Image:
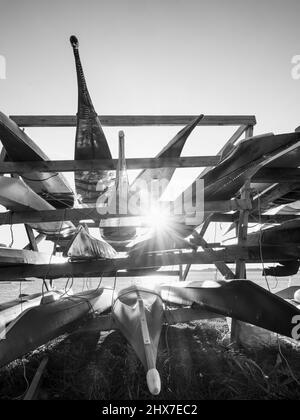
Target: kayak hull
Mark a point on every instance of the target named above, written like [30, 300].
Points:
[40, 324]
[239, 299]
[54, 188]
[139, 313]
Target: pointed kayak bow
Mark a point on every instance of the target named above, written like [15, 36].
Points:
[36, 326]
[90, 141]
[239, 299]
[172, 149]
[138, 313]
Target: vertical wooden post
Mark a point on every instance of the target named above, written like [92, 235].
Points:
[240, 272]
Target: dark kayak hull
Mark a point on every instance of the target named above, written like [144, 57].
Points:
[40, 324]
[90, 140]
[239, 299]
[244, 161]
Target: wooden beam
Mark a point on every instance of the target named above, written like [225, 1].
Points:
[38, 239]
[32, 242]
[133, 120]
[106, 164]
[108, 268]
[32, 392]
[255, 218]
[77, 214]
[10, 256]
[240, 271]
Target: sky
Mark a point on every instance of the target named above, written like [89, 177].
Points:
[151, 57]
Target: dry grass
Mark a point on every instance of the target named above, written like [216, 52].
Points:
[195, 362]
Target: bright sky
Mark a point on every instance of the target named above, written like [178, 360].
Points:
[152, 57]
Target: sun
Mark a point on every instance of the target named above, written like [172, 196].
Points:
[156, 218]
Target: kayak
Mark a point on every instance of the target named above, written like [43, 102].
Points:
[38, 325]
[15, 195]
[19, 147]
[90, 141]
[239, 299]
[10, 310]
[287, 233]
[249, 156]
[289, 160]
[171, 150]
[138, 313]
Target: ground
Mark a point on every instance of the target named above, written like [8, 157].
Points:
[195, 360]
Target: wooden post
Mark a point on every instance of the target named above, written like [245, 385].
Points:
[240, 271]
[31, 237]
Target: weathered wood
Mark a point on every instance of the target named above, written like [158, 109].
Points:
[132, 120]
[32, 392]
[175, 316]
[240, 271]
[255, 218]
[108, 268]
[87, 213]
[31, 237]
[39, 238]
[220, 265]
[10, 256]
[106, 164]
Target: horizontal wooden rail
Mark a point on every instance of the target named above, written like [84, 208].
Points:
[107, 164]
[77, 214]
[133, 120]
[108, 268]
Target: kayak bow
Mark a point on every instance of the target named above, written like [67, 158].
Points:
[138, 313]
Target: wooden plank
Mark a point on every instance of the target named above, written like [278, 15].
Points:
[175, 316]
[108, 268]
[32, 392]
[240, 271]
[228, 146]
[265, 175]
[10, 256]
[77, 214]
[132, 120]
[38, 239]
[106, 164]
[220, 265]
[254, 218]
[32, 242]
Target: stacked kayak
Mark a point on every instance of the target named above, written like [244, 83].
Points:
[36, 326]
[244, 161]
[10, 310]
[15, 195]
[54, 188]
[239, 299]
[90, 142]
[139, 314]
